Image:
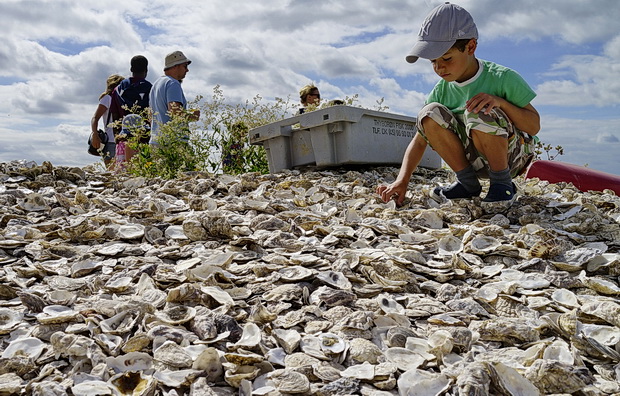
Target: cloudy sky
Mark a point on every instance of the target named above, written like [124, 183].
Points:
[56, 54]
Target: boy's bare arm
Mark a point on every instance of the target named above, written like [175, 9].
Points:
[412, 157]
[524, 118]
[527, 118]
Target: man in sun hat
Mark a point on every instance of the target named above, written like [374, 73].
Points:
[167, 99]
[478, 117]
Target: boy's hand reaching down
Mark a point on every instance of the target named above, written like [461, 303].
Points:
[395, 191]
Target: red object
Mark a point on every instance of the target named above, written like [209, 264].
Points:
[585, 179]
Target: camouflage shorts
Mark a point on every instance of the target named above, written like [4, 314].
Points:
[521, 146]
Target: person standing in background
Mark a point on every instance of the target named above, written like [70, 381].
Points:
[103, 111]
[129, 104]
[167, 99]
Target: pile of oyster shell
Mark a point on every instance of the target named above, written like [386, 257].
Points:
[302, 283]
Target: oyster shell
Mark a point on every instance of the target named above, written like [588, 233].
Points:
[9, 320]
[134, 361]
[28, 347]
[57, 314]
[551, 376]
[289, 381]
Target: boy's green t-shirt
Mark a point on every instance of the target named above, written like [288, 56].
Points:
[492, 79]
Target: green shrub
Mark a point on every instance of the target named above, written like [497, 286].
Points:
[218, 142]
[548, 150]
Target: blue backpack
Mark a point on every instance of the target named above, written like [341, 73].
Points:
[130, 96]
[133, 92]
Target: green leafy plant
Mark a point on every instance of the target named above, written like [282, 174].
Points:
[348, 101]
[547, 149]
[380, 106]
[218, 142]
[224, 128]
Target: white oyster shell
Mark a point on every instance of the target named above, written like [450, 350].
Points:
[565, 297]
[176, 315]
[289, 381]
[416, 382]
[250, 338]
[133, 361]
[34, 202]
[600, 285]
[449, 245]
[405, 359]
[10, 383]
[9, 320]
[276, 356]
[235, 375]
[175, 233]
[420, 346]
[332, 343]
[364, 371]
[121, 323]
[606, 335]
[209, 362]
[119, 284]
[514, 383]
[288, 339]
[92, 387]
[173, 355]
[312, 346]
[131, 231]
[57, 314]
[176, 378]
[559, 350]
[335, 279]
[482, 244]
[28, 347]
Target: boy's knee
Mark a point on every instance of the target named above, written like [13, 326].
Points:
[495, 123]
[435, 112]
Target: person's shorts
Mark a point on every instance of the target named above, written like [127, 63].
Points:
[521, 146]
[133, 124]
[109, 151]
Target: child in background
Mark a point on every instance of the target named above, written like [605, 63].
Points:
[103, 112]
[308, 95]
[132, 125]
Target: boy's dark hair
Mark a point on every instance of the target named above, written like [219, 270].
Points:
[460, 44]
[139, 64]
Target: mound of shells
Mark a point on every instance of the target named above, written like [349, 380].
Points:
[302, 283]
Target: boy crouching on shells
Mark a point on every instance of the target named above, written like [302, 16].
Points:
[478, 117]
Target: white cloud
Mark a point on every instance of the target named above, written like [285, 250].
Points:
[570, 21]
[585, 142]
[593, 81]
